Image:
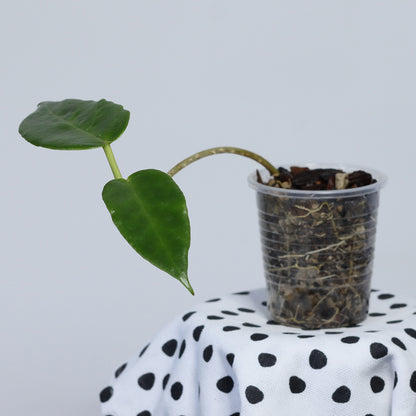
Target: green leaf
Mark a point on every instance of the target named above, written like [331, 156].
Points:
[149, 210]
[74, 124]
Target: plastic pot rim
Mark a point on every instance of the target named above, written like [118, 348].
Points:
[381, 181]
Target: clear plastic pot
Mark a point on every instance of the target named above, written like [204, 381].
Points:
[318, 251]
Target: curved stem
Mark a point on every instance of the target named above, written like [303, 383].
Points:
[218, 150]
[112, 161]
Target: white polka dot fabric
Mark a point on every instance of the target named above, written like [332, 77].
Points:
[226, 358]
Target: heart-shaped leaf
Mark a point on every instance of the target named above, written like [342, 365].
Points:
[149, 210]
[74, 124]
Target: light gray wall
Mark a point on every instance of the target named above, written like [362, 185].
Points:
[299, 81]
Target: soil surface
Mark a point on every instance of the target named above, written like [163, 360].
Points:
[307, 179]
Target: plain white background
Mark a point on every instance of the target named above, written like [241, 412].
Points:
[330, 81]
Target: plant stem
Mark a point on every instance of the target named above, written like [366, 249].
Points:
[218, 150]
[112, 161]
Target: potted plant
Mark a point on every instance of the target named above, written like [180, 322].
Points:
[318, 243]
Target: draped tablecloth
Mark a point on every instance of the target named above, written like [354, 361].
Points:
[225, 357]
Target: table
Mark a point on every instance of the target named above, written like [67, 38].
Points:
[226, 358]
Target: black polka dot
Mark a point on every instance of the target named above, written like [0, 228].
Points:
[395, 380]
[120, 370]
[144, 350]
[413, 381]
[377, 384]
[230, 328]
[146, 381]
[306, 336]
[106, 394]
[369, 414]
[333, 332]
[385, 296]
[207, 354]
[169, 347]
[254, 395]
[250, 325]
[411, 332]
[258, 337]
[242, 293]
[350, 340]
[182, 349]
[187, 316]
[144, 413]
[317, 359]
[375, 314]
[371, 331]
[399, 343]
[378, 350]
[246, 310]
[165, 381]
[214, 300]
[229, 313]
[271, 322]
[266, 359]
[225, 384]
[264, 303]
[197, 332]
[296, 385]
[398, 305]
[214, 317]
[176, 390]
[230, 359]
[396, 321]
[341, 394]
[236, 414]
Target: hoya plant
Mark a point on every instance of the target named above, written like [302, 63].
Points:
[148, 207]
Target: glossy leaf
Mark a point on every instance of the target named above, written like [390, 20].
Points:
[150, 212]
[74, 124]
